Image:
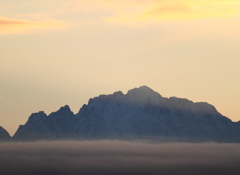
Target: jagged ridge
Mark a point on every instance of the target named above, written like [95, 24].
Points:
[141, 113]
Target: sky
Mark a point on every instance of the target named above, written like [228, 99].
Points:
[59, 52]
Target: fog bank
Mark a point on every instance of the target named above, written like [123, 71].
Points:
[118, 157]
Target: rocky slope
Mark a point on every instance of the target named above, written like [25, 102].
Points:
[4, 135]
[40, 126]
[140, 114]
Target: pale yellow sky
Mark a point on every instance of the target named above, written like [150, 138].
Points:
[67, 51]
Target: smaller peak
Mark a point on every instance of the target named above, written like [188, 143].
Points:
[66, 107]
[36, 117]
[118, 93]
[64, 110]
[40, 113]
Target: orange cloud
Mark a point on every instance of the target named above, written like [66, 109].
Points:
[167, 10]
[19, 26]
[4, 22]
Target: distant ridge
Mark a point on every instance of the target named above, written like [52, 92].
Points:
[140, 114]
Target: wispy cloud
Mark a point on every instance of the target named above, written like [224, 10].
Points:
[187, 10]
[176, 10]
[21, 26]
[162, 10]
[129, 12]
[30, 17]
[4, 22]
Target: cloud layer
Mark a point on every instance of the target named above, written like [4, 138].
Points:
[117, 157]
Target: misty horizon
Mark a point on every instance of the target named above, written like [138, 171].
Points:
[118, 157]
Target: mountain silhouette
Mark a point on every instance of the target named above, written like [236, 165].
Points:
[140, 114]
[4, 135]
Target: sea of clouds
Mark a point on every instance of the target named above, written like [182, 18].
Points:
[118, 158]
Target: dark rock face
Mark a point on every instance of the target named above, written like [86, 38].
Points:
[140, 114]
[42, 127]
[4, 135]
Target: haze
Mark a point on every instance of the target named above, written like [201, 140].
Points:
[66, 51]
[118, 157]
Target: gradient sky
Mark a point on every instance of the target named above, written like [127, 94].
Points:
[61, 52]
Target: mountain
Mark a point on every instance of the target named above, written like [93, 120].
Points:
[4, 135]
[140, 114]
[40, 126]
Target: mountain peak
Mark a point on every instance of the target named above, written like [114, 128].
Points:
[37, 117]
[38, 114]
[64, 110]
[143, 89]
[141, 113]
[118, 94]
[143, 93]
